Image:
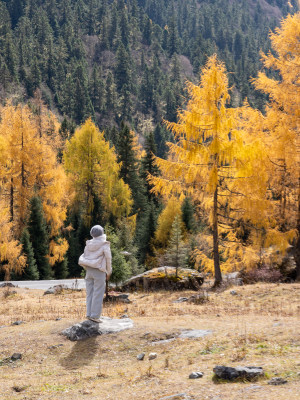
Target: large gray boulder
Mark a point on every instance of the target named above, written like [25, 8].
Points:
[87, 329]
[243, 373]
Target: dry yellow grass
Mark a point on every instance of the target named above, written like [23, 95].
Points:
[259, 326]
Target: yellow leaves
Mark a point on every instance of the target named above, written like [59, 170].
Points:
[93, 171]
[166, 219]
[57, 250]
[11, 257]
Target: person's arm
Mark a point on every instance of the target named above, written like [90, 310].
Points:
[107, 254]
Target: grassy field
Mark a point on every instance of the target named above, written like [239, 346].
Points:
[257, 327]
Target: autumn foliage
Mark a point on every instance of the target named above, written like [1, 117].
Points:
[234, 172]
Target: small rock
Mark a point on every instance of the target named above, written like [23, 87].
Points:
[141, 356]
[16, 356]
[233, 292]
[181, 300]
[19, 389]
[7, 284]
[55, 346]
[277, 324]
[152, 356]
[56, 289]
[194, 333]
[178, 396]
[277, 381]
[18, 323]
[196, 375]
[231, 374]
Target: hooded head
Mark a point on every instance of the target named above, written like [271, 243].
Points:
[96, 231]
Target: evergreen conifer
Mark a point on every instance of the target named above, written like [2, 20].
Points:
[39, 238]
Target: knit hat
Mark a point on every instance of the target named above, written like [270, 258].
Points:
[96, 231]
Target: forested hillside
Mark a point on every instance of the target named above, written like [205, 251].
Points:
[86, 90]
[128, 60]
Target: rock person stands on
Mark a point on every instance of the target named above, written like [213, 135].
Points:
[96, 260]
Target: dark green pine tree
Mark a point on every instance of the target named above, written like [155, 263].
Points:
[111, 94]
[146, 90]
[147, 31]
[188, 214]
[97, 89]
[39, 237]
[145, 232]
[129, 171]
[148, 167]
[61, 270]
[173, 40]
[122, 69]
[30, 272]
[82, 104]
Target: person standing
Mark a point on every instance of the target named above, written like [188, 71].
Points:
[96, 260]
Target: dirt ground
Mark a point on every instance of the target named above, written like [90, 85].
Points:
[257, 326]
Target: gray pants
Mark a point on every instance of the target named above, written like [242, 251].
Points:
[95, 281]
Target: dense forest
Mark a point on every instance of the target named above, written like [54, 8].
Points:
[85, 88]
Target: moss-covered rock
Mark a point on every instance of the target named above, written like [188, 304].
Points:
[164, 278]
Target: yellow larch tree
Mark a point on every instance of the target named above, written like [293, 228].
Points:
[23, 153]
[30, 168]
[92, 168]
[11, 258]
[209, 157]
[280, 127]
[166, 219]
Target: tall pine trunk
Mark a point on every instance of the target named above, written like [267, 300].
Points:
[218, 274]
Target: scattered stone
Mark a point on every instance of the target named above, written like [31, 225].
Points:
[55, 346]
[194, 333]
[253, 387]
[141, 357]
[199, 298]
[117, 297]
[16, 356]
[19, 389]
[7, 284]
[86, 329]
[179, 396]
[152, 356]
[233, 292]
[234, 278]
[277, 381]
[231, 374]
[181, 300]
[277, 324]
[58, 319]
[196, 375]
[57, 289]
[18, 323]
[163, 341]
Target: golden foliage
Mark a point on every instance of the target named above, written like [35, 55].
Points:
[11, 258]
[166, 219]
[92, 168]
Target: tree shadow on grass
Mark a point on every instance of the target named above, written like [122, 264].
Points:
[82, 353]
